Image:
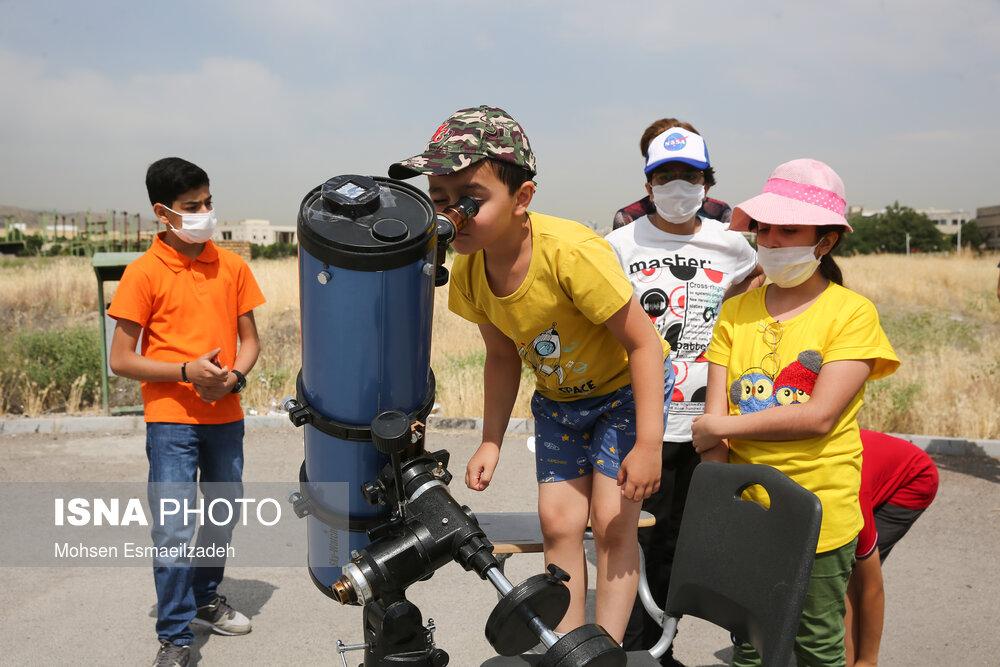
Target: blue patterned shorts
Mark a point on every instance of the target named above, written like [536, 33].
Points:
[572, 438]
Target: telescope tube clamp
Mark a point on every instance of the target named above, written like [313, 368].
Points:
[301, 413]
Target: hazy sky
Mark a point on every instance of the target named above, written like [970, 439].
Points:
[273, 97]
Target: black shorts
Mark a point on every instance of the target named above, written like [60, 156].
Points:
[892, 522]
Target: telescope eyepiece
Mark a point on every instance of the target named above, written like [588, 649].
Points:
[460, 212]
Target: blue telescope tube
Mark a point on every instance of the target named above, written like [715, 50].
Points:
[366, 284]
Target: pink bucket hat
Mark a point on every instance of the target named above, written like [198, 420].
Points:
[800, 192]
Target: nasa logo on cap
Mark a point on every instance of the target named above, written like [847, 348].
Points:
[677, 145]
[675, 142]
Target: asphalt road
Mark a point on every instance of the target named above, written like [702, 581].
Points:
[942, 586]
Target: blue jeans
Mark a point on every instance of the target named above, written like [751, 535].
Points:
[176, 453]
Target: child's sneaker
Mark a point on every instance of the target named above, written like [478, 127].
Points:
[222, 618]
[172, 655]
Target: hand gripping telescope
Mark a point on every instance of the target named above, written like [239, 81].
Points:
[371, 251]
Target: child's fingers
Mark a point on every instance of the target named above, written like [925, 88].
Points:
[476, 478]
[628, 487]
[485, 477]
[637, 491]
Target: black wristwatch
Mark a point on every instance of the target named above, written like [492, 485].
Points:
[241, 381]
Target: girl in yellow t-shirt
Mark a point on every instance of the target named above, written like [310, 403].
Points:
[788, 365]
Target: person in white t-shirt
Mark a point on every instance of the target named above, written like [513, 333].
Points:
[682, 266]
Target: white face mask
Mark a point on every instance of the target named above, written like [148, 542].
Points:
[195, 227]
[678, 201]
[788, 267]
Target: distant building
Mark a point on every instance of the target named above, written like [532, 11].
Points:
[258, 232]
[947, 222]
[63, 229]
[863, 212]
[988, 221]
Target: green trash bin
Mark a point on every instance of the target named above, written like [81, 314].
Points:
[109, 267]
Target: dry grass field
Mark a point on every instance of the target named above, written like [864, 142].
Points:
[940, 312]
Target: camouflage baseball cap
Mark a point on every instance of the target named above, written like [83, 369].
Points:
[466, 137]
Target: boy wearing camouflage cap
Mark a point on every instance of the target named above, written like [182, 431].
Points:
[551, 292]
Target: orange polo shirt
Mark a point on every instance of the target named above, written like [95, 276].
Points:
[186, 307]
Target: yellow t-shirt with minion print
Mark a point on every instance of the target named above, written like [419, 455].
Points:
[556, 317]
[771, 364]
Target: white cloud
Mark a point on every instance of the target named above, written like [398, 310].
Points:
[81, 129]
[275, 97]
[220, 96]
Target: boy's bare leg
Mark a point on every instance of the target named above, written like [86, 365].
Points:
[563, 510]
[614, 521]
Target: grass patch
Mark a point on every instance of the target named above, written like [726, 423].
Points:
[892, 404]
[52, 369]
[940, 313]
[918, 332]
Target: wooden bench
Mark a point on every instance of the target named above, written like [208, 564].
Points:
[520, 532]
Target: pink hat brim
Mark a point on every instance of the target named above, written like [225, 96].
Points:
[775, 209]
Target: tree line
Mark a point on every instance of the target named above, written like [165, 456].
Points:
[887, 232]
[882, 232]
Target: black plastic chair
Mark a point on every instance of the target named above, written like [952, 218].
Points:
[741, 566]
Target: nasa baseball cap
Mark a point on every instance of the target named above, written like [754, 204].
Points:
[675, 144]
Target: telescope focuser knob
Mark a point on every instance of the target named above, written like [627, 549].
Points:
[557, 573]
[391, 431]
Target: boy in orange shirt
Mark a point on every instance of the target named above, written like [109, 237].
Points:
[190, 301]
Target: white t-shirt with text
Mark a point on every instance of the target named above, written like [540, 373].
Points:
[680, 280]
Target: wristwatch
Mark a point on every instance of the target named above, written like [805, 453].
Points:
[241, 381]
